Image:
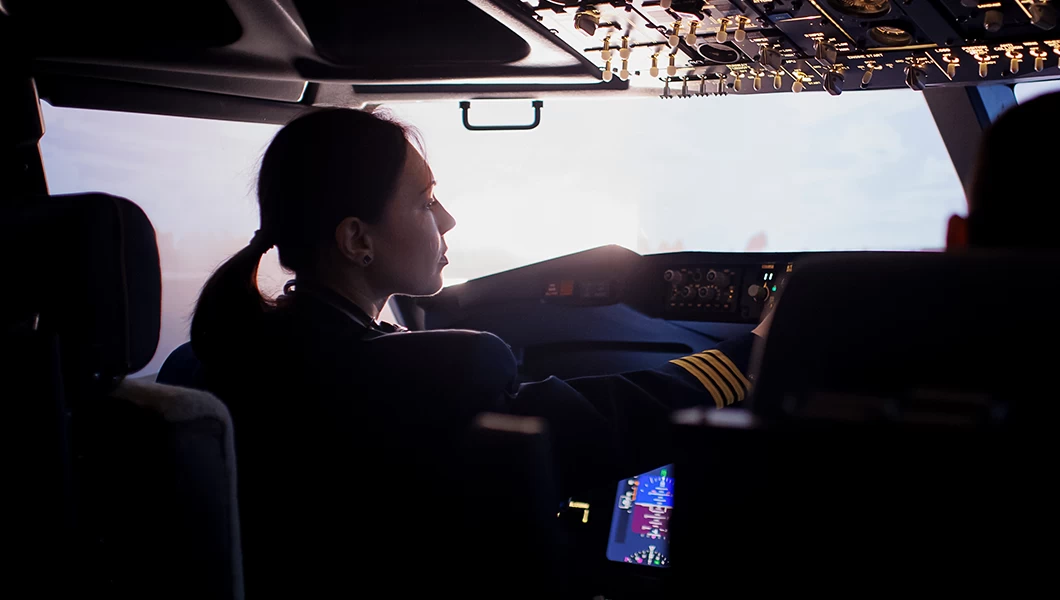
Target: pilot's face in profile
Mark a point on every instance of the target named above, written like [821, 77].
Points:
[409, 247]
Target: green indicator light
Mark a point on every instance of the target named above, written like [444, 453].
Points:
[663, 473]
[774, 288]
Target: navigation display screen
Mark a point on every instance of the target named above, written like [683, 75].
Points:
[640, 524]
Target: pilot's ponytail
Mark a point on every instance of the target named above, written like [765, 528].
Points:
[319, 169]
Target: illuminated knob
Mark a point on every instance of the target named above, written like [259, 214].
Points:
[740, 34]
[665, 4]
[778, 80]
[675, 37]
[623, 74]
[993, 20]
[736, 85]
[672, 69]
[984, 69]
[723, 33]
[654, 70]
[673, 277]
[867, 77]
[707, 293]
[690, 38]
[607, 71]
[757, 292]
[606, 52]
[951, 70]
[624, 52]
[687, 291]
[757, 83]
[797, 86]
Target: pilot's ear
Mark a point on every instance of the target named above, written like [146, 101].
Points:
[353, 240]
[957, 233]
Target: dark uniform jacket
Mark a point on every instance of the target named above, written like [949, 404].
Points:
[332, 410]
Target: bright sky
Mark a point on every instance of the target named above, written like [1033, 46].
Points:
[774, 172]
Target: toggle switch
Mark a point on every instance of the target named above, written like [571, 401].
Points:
[740, 34]
[606, 52]
[654, 70]
[756, 85]
[723, 33]
[666, 90]
[797, 86]
[778, 80]
[1014, 62]
[672, 69]
[665, 4]
[870, 69]
[690, 38]
[703, 85]
[623, 73]
[607, 71]
[684, 88]
[951, 69]
[736, 85]
[984, 69]
[624, 52]
[675, 37]
[1039, 58]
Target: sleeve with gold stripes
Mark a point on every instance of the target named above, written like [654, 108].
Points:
[722, 370]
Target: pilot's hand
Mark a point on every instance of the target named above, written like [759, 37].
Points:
[763, 328]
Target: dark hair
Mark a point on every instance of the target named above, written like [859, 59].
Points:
[320, 168]
[1009, 204]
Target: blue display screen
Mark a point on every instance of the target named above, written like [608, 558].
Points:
[640, 523]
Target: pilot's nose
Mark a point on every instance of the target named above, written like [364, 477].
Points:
[445, 220]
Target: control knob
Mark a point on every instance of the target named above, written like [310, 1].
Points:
[707, 293]
[993, 20]
[757, 292]
[687, 291]
[1043, 16]
[673, 277]
[718, 278]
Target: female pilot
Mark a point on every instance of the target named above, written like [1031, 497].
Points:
[330, 405]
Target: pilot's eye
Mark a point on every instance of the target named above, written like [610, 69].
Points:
[431, 204]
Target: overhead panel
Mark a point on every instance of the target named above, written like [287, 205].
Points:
[684, 48]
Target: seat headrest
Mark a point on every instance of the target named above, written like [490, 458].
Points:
[86, 268]
[854, 332]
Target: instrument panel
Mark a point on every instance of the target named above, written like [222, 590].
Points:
[686, 48]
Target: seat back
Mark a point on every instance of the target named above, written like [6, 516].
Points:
[147, 471]
[882, 335]
[899, 429]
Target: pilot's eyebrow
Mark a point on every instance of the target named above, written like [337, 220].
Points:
[429, 186]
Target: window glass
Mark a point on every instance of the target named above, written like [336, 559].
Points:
[774, 172]
[193, 177]
[1033, 89]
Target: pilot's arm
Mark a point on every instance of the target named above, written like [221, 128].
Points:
[600, 428]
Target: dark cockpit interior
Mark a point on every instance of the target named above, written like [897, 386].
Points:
[899, 419]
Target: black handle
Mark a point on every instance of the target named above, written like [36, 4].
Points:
[465, 106]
